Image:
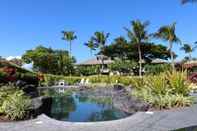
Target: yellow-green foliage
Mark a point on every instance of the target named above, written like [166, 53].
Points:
[178, 82]
[165, 101]
[13, 103]
[104, 79]
[50, 80]
[166, 90]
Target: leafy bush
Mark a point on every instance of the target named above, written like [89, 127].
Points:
[155, 69]
[125, 80]
[125, 66]
[50, 80]
[178, 82]
[87, 70]
[157, 84]
[13, 103]
[166, 90]
[165, 101]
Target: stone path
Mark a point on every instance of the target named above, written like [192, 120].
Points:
[141, 121]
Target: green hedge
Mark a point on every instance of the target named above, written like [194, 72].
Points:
[50, 80]
[156, 69]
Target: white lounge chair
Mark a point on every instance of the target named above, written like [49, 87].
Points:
[87, 82]
[82, 81]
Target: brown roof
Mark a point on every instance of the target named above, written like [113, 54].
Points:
[190, 64]
[158, 61]
[94, 61]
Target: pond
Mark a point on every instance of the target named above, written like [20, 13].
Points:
[77, 106]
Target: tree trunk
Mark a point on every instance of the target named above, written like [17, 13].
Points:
[172, 57]
[190, 56]
[91, 52]
[70, 55]
[70, 48]
[140, 61]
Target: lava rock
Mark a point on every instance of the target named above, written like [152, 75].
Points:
[40, 105]
[30, 90]
[118, 87]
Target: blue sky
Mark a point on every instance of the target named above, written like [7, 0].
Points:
[26, 24]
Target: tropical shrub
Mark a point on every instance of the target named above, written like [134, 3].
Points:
[124, 66]
[87, 70]
[50, 80]
[166, 90]
[16, 106]
[156, 83]
[125, 80]
[178, 82]
[155, 69]
[165, 101]
[13, 103]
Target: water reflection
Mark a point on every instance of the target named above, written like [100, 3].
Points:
[77, 107]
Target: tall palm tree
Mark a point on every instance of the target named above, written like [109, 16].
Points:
[91, 45]
[100, 38]
[69, 36]
[167, 33]
[189, 49]
[138, 34]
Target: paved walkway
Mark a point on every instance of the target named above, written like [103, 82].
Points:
[141, 121]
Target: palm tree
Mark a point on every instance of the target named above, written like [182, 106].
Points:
[189, 49]
[167, 33]
[69, 36]
[100, 39]
[138, 35]
[187, 1]
[91, 45]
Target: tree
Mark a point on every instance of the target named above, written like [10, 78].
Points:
[188, 1]
[138, 35]
[124, 50]
[91, 45]
[100, 39]
[64, 62]
[123, 66]
[47, 60]
[189, 49]
[167, 33]
[118, 48]
[69, 36]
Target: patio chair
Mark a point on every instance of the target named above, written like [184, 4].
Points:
[87, 82]
[82, 81]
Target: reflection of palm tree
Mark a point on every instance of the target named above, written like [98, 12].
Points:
[62, 106]
[104, 115]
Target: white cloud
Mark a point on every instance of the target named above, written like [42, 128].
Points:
[13, 57]
[28, 66]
